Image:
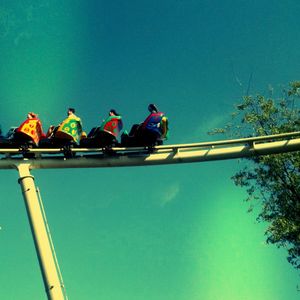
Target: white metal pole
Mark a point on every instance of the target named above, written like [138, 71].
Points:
[46, 256]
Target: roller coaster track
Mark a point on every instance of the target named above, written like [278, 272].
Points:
[97, 157]
[139, 156]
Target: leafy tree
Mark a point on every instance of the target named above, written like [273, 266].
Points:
[272, 180]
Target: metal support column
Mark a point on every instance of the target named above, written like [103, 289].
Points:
[41, 235]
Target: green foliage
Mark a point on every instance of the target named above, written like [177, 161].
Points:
[272, 180]
[295, 88]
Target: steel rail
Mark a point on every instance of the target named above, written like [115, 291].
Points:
[118, 157]
[212, 144]
[169, 154]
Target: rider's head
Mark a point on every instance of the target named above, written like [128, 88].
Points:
[31, 115]
[113, 112]
[152, 108]
[71, 111]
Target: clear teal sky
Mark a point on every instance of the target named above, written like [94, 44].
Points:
[178, 232]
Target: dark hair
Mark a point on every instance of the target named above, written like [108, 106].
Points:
[33, 115]
[152, 108]
[72, 110]
[114, 112]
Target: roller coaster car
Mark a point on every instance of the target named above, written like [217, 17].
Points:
[57, 140]
[150, 133]
[66, 136]
[98, 138]
[7, 141]
[141, 137]
[27, 135]
[104, 136]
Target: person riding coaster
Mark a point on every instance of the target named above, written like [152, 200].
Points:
[106, 135]
[30, 132]
[27, 135]
[66, 135]
[153, 131]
